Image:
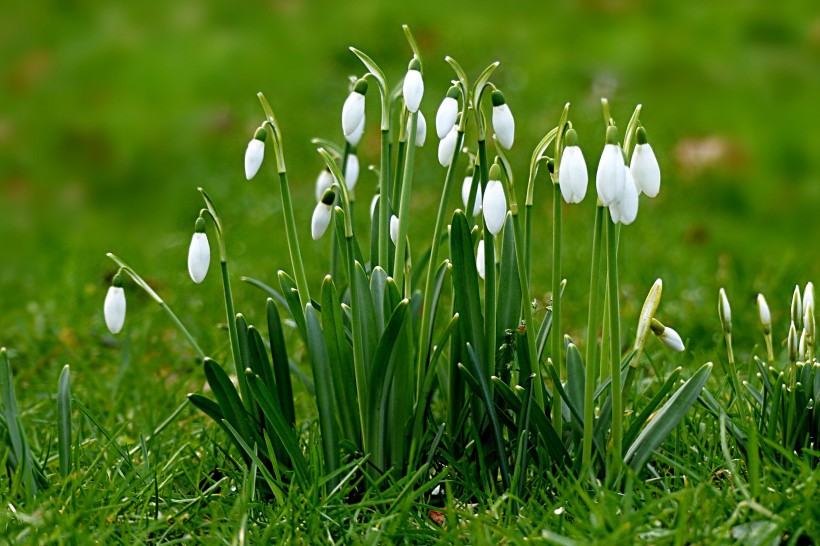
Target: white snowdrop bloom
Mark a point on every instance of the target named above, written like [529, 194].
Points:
[466, 187]
[797, 306]
[351, 171]
[611, 176]
[447, 147]
[725, 311]
[808, 297]
[447, 112]
[421, 130]
[644, 166]
[494, 204]
[199, 253]
[255, 153]
[353, 109]
[572, 173]
[394, 229]
[765, 314]
[413, 87]
[626, 210]
[373, 203]
[671, 339]
[321, 216]
[479, 259]
[354, 137]
[114, 306]
[503, 122]
[323, 183]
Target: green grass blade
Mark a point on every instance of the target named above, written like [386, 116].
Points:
[649, 409]
[64, 421]
[281, 365]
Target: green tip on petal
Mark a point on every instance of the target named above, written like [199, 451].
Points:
[453, 92]
[612, 135]
[199, 227]
[261, 134]
[495, 172]
[641, 136]
[571, 138]
[328, 197]
[361, 86]
[415, 64]
[498, 98]
[116, 282]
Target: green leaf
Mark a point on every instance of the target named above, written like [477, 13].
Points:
[465, 284]
[212, 410]
[545, 328]
[365, 313]
[281, 365]
[64, 421]
[17, 435]
[228, 399]
[648, 410]
[576, 381]
[509, 305]
[252, 455]
[291, 295]
[378, 280]
[272, 292]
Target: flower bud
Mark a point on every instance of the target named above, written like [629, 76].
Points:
[413, 87]
[793, 343]
[199, 253]
[447, 112]
[323, 183]
[765, 314]
[394, 229]
[447, 147]
[611, 176]
[667, 336]
[801, 347]
[351, 171]
[114, 306]
[797, 307]
[353, 109]
[725, 312]
[322, 215]
[479, 259]
[421, 130]
[255, 153]
[572, 173]
[494, 203]
[466, 188]
[626, 210]
[644, 166]
[503, 122]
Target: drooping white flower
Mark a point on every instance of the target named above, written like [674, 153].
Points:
[503, 122]
[421, 130]
[765, 314]
[413, 87]
[447, 147]
[644, 166]
[479, 259]
[323, 183]
[354, 137]
[447, 112]
[611, 176]
[494, 204]
[351, 171]
[572, 173]
[255, 153]
[394, 229]
[626, 210]
[114, 306]
[725, 311]
[353, 109]
[322, 215]
[671, 339]
[466, 187]
[199, 253]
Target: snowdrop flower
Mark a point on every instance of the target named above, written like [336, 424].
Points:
[797, 306]
[572, 173]
[255, 153]
[626, 210]
[353, 109]
[447, 147]
[667, 335]
[321, 215]
[351, 171]
[611, 176]
[323, 183]
[199, 253]
[354, 137]
[494, 204]
[421, 130]
[644, 166]
[725, 312]
[466, 187]
[808, 299]
[479, 259]
[447, 112]
[413, 87]
[765, 314]
[503, 122]
[394, 229]
[801, 347]
[114, 306]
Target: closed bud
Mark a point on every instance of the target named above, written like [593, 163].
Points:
[323, 183]
[494, 204]
[353, 109]
[322, 215]
[351, 171]
[765, 314]
[394, 229]
[447, 112]
[413, 87]
[793, 343]
[479, 259]
[797, 307]
[801, 347]
[466, 188]
[725, 312]
[447, 147]
[572, 173]
[503, 122]
[610, 179]
[644, 166]
[114, 306]
[255, 153]
[199, 253]
[667, 336]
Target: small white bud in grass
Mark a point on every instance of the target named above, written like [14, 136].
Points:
[479, 259]
[447, 112]
[494, 204]
[394, 229]
[793, 343]
[199, 253]
[797, 306]
[503, 122]
[354, 137]
[808, 302]
[626, 210]
[724, 311]
[765, 314]
[353, 109]
[114, 306]
[421, 130]
[255, 153]
[447, 147]
[572, 173]
[323, 183]
[466, 188]
[801, 347]
[611, 176]
[644, 166]
[322, 215]
[667, 335]
[413, 86]
[352, 171]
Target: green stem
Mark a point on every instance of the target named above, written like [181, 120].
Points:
[293, 241]
[558, 362]
[528, 241]
[400, 261]
[592, 331]
[489, 267]
[384, 199]
[184, 330]
[615, 345]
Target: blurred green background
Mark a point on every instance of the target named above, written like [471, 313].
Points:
[112, 113]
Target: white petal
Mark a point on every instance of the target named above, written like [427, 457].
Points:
[199, 257]
[504, 125]
[725, 308]
[354, 137]
[494, 206]
[808, 296]
[671, 339]
[479, 259]
[254, 155]
[352, 113]
[351, 171]
[763, 309]
[611, 176]
[615, 212]
[645, 170]
[323, 183]
[114, 309]
[447, 147]
[413, 89]
[421, 130]
[628, 205]
[446, 116]
[394, 229]
[572, 175]
[466, 187]
[320, 220]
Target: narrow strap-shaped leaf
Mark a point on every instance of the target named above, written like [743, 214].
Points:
[365, 313]
[465, 284]
[545, 328]
[212, 410]
[260, 363]
[245, 362]
[649, 409]
[64, 421]
[508, 310]
[576, 380]
[281, 365]
[14, 423]
[269, 290]
[251, 453]
[228, 399]
[291, 295]
[378, 279]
